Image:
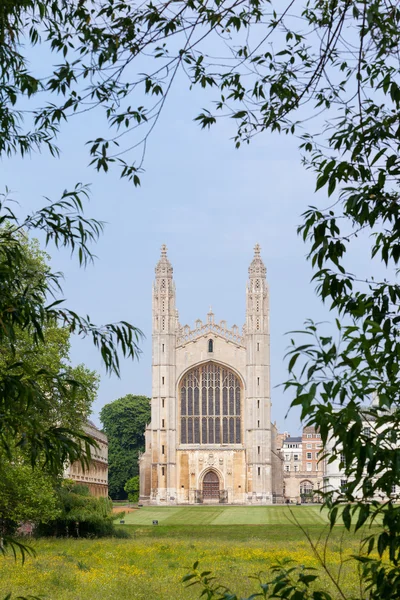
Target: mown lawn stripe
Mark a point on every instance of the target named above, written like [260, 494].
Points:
[227, 515]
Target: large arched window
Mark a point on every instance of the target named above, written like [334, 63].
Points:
[210, 406]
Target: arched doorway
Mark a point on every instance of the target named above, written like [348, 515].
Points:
[210, 486]
[306, 492]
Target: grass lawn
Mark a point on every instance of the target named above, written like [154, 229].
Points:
[226, 515]
[150, 564]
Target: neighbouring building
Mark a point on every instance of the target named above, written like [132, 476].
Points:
[292, 467]
[313, 467]
[302, 471]
[96, 476]
[292, 454]
[280, 438]
[210, 439]
[335, 479]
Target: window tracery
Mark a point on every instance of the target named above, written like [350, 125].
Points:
[210, 398]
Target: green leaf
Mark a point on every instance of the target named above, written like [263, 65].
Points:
[363, 514]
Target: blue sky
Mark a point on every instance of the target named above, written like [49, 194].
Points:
[210, 204]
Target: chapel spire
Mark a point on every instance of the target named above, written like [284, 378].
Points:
[164, 267]
[257, 294]
[257, 267]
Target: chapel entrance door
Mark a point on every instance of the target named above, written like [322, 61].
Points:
[211, 486]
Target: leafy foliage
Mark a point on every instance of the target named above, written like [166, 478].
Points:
[271, 61]
[43, 401]
[80, 514]
[27, 317]
[124, 421]
[132, 488]
[288, 581]
[25, 495]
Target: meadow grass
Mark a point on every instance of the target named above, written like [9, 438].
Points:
[152, 562]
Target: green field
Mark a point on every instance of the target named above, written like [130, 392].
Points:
[229, 515]
[151, 563]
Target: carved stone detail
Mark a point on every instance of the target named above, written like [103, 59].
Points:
[211, 460]
[186, 334]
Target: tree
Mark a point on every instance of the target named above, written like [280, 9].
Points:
[124, 421]
[42, 400]
[132, 488]
[30, 299]
[66, 405]
[25, 495]
[80, 514]
[28, 494]
[24, 309]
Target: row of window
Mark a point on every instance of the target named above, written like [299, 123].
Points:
[310, 446]
[309, 467]
[296, 456]
[297, 445]
[343, 486]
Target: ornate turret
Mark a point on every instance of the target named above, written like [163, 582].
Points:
[164, 267]
[258, 439]
[257, 267]
[164, 312]
[257, 294]
[161, 442]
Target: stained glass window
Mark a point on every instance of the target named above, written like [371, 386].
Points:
[210, 406]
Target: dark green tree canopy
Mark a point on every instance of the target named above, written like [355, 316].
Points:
[124, 421]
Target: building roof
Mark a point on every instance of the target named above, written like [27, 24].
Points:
[91, 429]
[292, 440]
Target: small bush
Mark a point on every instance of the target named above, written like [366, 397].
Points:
[82, 515]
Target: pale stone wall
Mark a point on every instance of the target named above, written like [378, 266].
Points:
[293, 483]
[225, 353]
[277, 467]
[95, 477]
[228, 464]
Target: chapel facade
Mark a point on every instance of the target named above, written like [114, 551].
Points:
[210, 439]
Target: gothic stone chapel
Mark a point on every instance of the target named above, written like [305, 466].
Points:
[210, 439]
